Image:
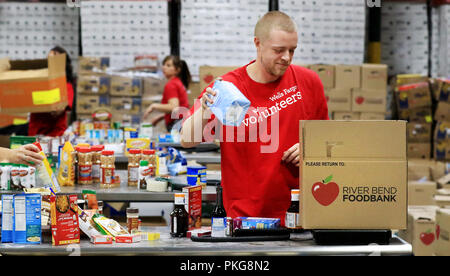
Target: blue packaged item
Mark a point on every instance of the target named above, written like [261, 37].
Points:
[256, 223]
[7, 218]
[196, 175]
[230, 105]
[27, 219]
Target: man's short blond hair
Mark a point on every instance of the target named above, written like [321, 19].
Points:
[274, 20]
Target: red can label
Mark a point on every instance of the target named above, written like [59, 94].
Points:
[85, 172]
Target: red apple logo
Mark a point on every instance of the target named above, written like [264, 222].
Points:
[325, 192]
[208, 78]
[359, 100]
[438, 231]
[427, 238]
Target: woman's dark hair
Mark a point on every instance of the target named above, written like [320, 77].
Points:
[184, 74]
[69, 72]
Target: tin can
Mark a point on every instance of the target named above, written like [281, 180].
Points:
[229, 229]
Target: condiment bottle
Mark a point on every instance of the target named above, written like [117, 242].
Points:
[219, 216]
[133, 167]
[179, 218]
[108, 168]
[132, 220]
[100, 207]
[84, 166]
[149, 155]
[144, 174]
[292, 219]
[96, 162]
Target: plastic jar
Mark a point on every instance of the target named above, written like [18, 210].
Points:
[96, 162]
[150, 156]
[132, 220]
[108, 168]
[133, 167]
[84, 166]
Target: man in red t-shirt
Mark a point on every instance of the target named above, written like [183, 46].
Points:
[260, 158]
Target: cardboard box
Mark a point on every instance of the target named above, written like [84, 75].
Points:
[128, 105]
[420, 169]
[34, 86]
[442, 246]
[193, 205]
[125, 86]
[421, 230]
[348, 76]
[419, 132]
[413, 96]
[444, 182]
[442, 131]
[348, 116]
[419, 150]
[326, 74]
[92, 64]
[369, 100]
[64, 214]
[441, 89]
[442, 112]
[210, 73]
[93, 84]
[403, 79]
[374, 76]
[193, 92]
[91, 103]
[442, 150]
[353, 174]
[438, 170]
[339, 99]
[419, 115]
[13, 119]
[421, 192]
[152, 87]
[370, 116]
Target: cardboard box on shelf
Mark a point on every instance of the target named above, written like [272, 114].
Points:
[13, 119]
[326, 74]
[152, 87]
[366, 100]
[348, 116]
[403, 79]
[421, 192]
[348, 76]
[441, 89]
[92, 64]
[419, 150]
[442, 131]
[442, 150]
[420, 169]
[125, 86]
[444, 182]
[374, 76]
[339, 99]
[421, 229]
[419, 132]
[419, 115]
[193, 92]
[442, 112]
[442, 246]
[34, 86]
[208, 74]
[371, 116]
[353, 174]
[90, 103]
[93, 84]
[128, 105]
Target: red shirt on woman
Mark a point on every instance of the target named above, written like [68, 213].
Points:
[174, 89]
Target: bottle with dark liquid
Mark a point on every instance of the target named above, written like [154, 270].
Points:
[292, 220]
[218, 216]
[179, 218]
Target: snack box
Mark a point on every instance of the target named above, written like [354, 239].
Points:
[255, 223]
[101, 239]
[128, 238]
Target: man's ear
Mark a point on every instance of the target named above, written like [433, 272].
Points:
[257, 42]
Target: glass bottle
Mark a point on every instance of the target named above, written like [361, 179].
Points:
[218, 216]
[179, 218]
[292, 219]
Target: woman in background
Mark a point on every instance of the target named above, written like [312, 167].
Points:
[54, 123]
[175, 91]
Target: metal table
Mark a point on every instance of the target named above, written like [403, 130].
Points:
[298, 245]
[202, 157]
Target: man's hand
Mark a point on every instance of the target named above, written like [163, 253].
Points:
[292, 155]
[27, 155]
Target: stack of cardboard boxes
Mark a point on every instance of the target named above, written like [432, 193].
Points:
[354, 92]
[125, 95]
[414, 104]
[442, 117]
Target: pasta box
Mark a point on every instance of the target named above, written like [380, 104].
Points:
[65, 225]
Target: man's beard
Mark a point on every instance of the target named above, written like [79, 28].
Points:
[273, 70]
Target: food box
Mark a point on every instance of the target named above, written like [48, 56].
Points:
[128, 238]
[65, 226]
[193, 205]
[442, 246]
[101, 239]
[255, 223]
[27, 219]
[353, 175]
[34, 86]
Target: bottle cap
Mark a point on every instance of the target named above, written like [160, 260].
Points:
[135, 151]
[149, 151]
[107, 152]
[84, 149]
[143, 163]
[98, 148]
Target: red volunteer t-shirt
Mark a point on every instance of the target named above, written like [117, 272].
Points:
[46, 124]
[174, 89]
[256, 183]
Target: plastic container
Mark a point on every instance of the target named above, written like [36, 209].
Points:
[96, 163]
[84, 166]
[108, 168]
[133, 167]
